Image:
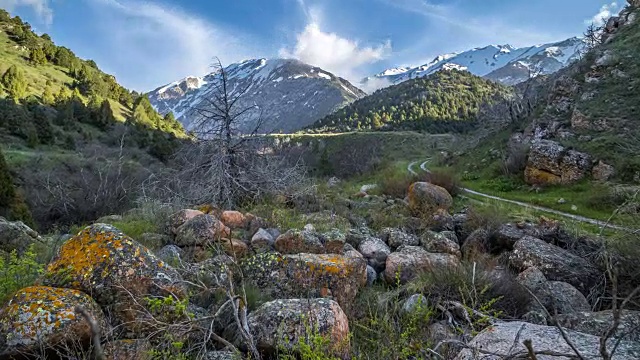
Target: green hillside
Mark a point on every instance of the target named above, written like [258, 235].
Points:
[446, 101]
[74, 138]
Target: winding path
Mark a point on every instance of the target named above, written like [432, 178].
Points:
[423, 167]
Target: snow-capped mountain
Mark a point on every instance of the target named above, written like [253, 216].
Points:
[289, 94]
[503, 63]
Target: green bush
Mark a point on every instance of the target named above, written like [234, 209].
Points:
[17, 272]
[381, 330]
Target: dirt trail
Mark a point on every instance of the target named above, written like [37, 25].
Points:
[423, 167]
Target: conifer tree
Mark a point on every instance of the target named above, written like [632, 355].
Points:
[47, 97]
[12, 205]
[37, 56]
[15, 83]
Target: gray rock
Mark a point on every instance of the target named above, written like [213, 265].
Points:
[535, 317]
[476, 242]
[170, 254]
[550, 163]
[200, 230]
[153, 240]
[439, 243]
[372, 275]
[15, 235]
[555, 263]
[504, 339]
[563, 298]
[425, 198]
[396, 238]
[334, 241]
[414, 302]
[532, 278]
[375, 251]
[357, 235]
[285, 322]
[410, 261]
[598, 323]
[262, 241]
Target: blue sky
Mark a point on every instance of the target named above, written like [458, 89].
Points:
[146, 44]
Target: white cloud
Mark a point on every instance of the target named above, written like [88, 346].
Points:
[148, 44]
[606, 11]
[41, 8]
[339, 55]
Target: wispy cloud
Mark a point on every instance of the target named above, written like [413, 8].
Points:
[330, 51]
[158, 44]
[40, 7]
[606, 11]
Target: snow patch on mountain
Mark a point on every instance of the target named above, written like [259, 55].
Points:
[493, 61]
[311, 93]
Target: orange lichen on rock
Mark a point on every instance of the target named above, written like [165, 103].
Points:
[41, 316]
[112, 267]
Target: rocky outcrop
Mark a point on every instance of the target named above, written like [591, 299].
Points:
[425, 198]
[15, 235]
[550, 163]
[283, 323]
[554, 262]
[116, 270]
[409, 261]
[304, 275]
[504, 339]
[40, 318]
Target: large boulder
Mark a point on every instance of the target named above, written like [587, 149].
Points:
[375, 251]
[556, 297]
[296, 242]
[41, 318]
[117, 271]
[598, 323]
[425, 198]
[504, 340]
[550, 163]
[283, 323]
[15, 235]
[409, 261]
[303, 275]
[555, 263]
[201, 230]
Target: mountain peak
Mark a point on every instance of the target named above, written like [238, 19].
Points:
[490, 60]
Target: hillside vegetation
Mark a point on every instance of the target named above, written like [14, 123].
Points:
[447, 101]
[68, 130]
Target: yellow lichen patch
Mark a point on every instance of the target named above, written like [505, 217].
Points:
[45, 314]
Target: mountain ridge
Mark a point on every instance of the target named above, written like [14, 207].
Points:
[503, 63]
[289, 93]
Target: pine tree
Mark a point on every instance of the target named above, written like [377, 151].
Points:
[104, 117]
[47, 97]
[15, 83]
[37, 56]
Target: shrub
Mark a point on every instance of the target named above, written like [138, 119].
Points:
[445, 179]
[17, 272]
[516, 160]
[478, 286]
[381, 330]
[489, 217]
[397, 185]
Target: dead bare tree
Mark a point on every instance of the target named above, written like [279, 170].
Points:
[232, 159]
